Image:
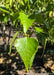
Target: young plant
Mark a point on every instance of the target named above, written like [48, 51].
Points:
[29, 12]
[27, 47]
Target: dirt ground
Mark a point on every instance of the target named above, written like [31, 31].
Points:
[13, 64]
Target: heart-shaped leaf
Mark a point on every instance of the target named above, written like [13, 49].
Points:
[27, 48]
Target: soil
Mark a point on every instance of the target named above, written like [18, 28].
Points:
[13, 64]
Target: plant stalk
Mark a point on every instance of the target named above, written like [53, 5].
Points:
[44, 48]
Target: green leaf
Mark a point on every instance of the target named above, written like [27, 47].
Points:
[26, 1]
[52, 33]
[14, 16]
[3, 9]
[39, 30]
[13, 41]
[5, 19]
[26, 21]
[27, 48]
[39, 18]
[11, 2]
[41, 37]
[0, 0]
[50, 13]
[31, 1]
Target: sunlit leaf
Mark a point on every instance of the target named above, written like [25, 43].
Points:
[27, 48]
[27, 22]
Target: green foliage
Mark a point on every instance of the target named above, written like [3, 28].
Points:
[29, 12]
[52, 34]
[39, 30]
[50, 51]
[27, 48]
[3, 9]
[14, 17]
[26, 21]
[39, 18]
[0, 0]
[13, 41]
